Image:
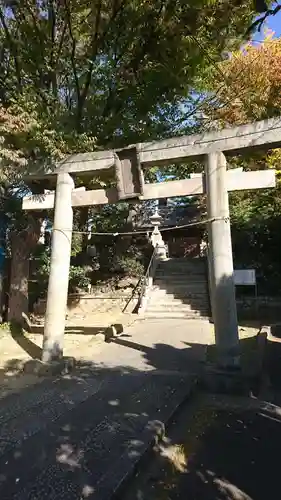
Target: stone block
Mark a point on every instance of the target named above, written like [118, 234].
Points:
[110, 332]
[113, 331]
[100, 337]
[225, 381]
[60, 367]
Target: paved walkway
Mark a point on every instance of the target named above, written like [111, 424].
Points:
[159, 345]
[78, 436]
[222, 448]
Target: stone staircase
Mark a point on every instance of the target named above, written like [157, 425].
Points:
[179, 290]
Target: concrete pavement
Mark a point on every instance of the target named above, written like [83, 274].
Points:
[222, 448]
[79, 436]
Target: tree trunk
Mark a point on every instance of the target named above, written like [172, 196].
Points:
[18, 295]
[83, 226]
[22, 244]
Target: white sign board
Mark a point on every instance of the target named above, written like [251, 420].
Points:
[245, 277]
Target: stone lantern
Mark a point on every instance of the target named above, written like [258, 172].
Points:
[156, 237]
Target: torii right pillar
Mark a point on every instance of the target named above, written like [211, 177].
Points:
[222, 287]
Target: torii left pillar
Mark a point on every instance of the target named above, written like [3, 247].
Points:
[59, 271]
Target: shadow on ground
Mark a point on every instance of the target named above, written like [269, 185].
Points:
[225, 451]
[77, 329]
[215, 455]
[160, 357]
[80, 434]
[32, 349]
[35, 352]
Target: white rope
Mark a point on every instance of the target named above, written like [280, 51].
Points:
[131, 233]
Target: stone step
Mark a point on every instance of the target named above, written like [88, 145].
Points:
[169, 310]
[184, 260]
[167, 300]
[175, 288]
[181, 294]
[185, 310]
[175, 315]
[168, 306]
[180, 278]
[180, 273]
[188, 268]
[189, 290]
[159, 295]
[176, 306]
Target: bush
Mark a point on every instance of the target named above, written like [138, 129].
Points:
[78, 278]
[128, 266]
[78, 275]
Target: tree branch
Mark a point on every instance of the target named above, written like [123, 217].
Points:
[19, 12]
[134, 64]
[73, 51]
[258, 24]
[13, 48]
[52, 23]
[97, 41]
[35, 26]
[135, 61]
[60, 45]
[85, 90]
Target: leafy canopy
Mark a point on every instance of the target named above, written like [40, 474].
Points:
[249, 90]
[117, 71]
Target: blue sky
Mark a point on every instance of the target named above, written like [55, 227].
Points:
[273, 23]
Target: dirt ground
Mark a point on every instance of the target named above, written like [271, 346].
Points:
[83, 339]
[219, 447]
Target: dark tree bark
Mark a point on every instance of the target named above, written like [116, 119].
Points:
[83, 226]
[22, 244]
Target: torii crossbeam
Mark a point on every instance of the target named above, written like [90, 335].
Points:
[128, 164]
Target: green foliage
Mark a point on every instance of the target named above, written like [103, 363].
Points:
[122, 256]
[78, 75]
[78, 275]
[29, 139]
[4, 328]
[256, 236]
[116, 84]
[246, 87]
[76, 244]
[109, 218]
[128, 266]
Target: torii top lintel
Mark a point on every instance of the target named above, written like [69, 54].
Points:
[264, 134]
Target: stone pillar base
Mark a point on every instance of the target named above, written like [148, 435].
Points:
[161, 252]
[41, 369]
[226, 381]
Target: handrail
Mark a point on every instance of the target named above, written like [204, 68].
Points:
[132, 295]
[207, 254]
[143, 281]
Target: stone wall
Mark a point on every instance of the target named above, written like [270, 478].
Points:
[262, 308]
[83, 304]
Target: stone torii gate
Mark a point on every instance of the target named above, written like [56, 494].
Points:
[129, 164]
